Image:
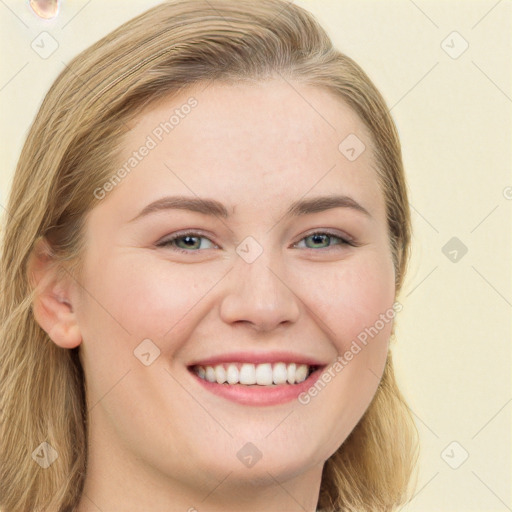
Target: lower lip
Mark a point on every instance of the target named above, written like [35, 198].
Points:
[260, 395]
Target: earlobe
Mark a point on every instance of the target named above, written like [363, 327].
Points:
[65, 336]
[52, 306]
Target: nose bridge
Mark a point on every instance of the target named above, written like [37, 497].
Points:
[258, 293]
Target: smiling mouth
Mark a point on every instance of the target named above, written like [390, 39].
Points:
[247, 374]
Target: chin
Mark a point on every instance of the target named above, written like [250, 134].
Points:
[262, 462]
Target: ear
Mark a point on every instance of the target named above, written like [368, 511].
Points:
[52, 305]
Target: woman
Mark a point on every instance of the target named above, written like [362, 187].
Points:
[208, 230]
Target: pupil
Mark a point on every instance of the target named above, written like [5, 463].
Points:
[318, 239]
[189, 240]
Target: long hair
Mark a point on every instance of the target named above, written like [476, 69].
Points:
[71, 150]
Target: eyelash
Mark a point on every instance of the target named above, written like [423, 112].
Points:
[169, 241]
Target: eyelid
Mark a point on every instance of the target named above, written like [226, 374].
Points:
[186, 232]
[331, 232]
[344, 237]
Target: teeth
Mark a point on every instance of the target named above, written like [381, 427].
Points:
[264, 374]
[291, 373]
[301, 373]
[247, 374]
[210, 374]
[220, 374]
[280, 373]
[232, 374]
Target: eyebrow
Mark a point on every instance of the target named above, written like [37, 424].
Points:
[215, 208]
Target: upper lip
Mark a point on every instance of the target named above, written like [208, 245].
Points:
[258, 358]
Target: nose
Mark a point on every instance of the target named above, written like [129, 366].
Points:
[259, 296]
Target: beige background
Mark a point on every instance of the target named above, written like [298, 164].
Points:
[453, 350]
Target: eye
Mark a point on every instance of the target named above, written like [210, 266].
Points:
[185, 242]
[191, 241]
[319, 239]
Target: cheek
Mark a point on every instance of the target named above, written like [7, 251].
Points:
[352, 298]
[162, 299]
[129, 300]
[139, 297]
[355, 303]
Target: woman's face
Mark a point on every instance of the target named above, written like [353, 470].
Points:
[252, 284]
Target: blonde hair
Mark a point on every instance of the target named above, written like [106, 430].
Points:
[72, 149]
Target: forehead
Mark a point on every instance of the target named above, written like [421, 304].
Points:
[282, 111]
[261, 142]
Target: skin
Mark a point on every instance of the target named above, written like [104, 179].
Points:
[158, 440]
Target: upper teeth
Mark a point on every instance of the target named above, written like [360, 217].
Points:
[264, 374]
